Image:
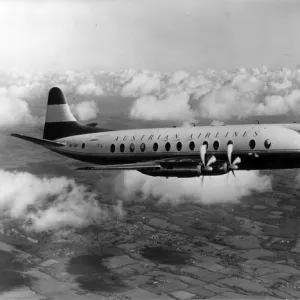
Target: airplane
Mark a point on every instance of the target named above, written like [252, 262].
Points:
[169, 152]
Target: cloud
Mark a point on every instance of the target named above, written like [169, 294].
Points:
[51, 203]
[142, 83]
[217, 123]
[226, 103]
[214, 94]
[177, 96]
[178, 77]
[177, 190]
[13, 110]
[272, 105]
[90, 88]
[172, 107]
[85, 110]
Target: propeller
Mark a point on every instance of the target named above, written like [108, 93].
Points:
[232, 166]
[206, 167]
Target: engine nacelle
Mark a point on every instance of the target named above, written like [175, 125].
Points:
[176, 171]
[187, 171]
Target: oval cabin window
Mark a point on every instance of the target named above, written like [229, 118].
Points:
[252, 144]
[131, 147]
[192, 146]
[216, 145]
[155, 147]
[168, 146]
[122, 148]
[112, 148]
[83, 145]
[267, 144]
[143, 147]
[179, 146]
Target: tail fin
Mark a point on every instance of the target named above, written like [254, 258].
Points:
[60, 121]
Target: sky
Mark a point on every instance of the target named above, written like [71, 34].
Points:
[160, 35]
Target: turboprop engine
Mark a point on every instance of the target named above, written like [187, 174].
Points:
[190, 170]
[213, 167]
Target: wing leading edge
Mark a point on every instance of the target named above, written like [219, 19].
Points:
[134, 166]
[42, 142]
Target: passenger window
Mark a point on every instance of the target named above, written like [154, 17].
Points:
[179, 146]
[143, 147]
[131, 147]
[112, 148]
[192, 146]
[216, 145]
[252, 144]
[206, 144]
[83, 145]
[267, 144]
[155, 147]
[168, 146]
[122, 148]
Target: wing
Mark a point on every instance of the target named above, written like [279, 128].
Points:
[42, 142]
[151, 165]
[135, 166]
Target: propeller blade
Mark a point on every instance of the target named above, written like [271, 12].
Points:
[202, 154]
[202, 180]
[228, 174]
[211, 160]
[237, 161]
[229, 152]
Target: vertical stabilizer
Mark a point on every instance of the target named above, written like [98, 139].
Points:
[60, 121]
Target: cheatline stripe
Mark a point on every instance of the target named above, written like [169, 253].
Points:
[59, 113]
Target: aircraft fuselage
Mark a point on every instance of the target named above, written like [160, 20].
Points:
[260, 146]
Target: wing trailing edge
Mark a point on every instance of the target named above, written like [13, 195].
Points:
[42, 142]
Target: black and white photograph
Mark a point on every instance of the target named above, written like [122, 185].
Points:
[149, 149]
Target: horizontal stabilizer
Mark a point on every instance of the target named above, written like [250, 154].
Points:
[42, 142]
[136, 166]
[92, 124]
